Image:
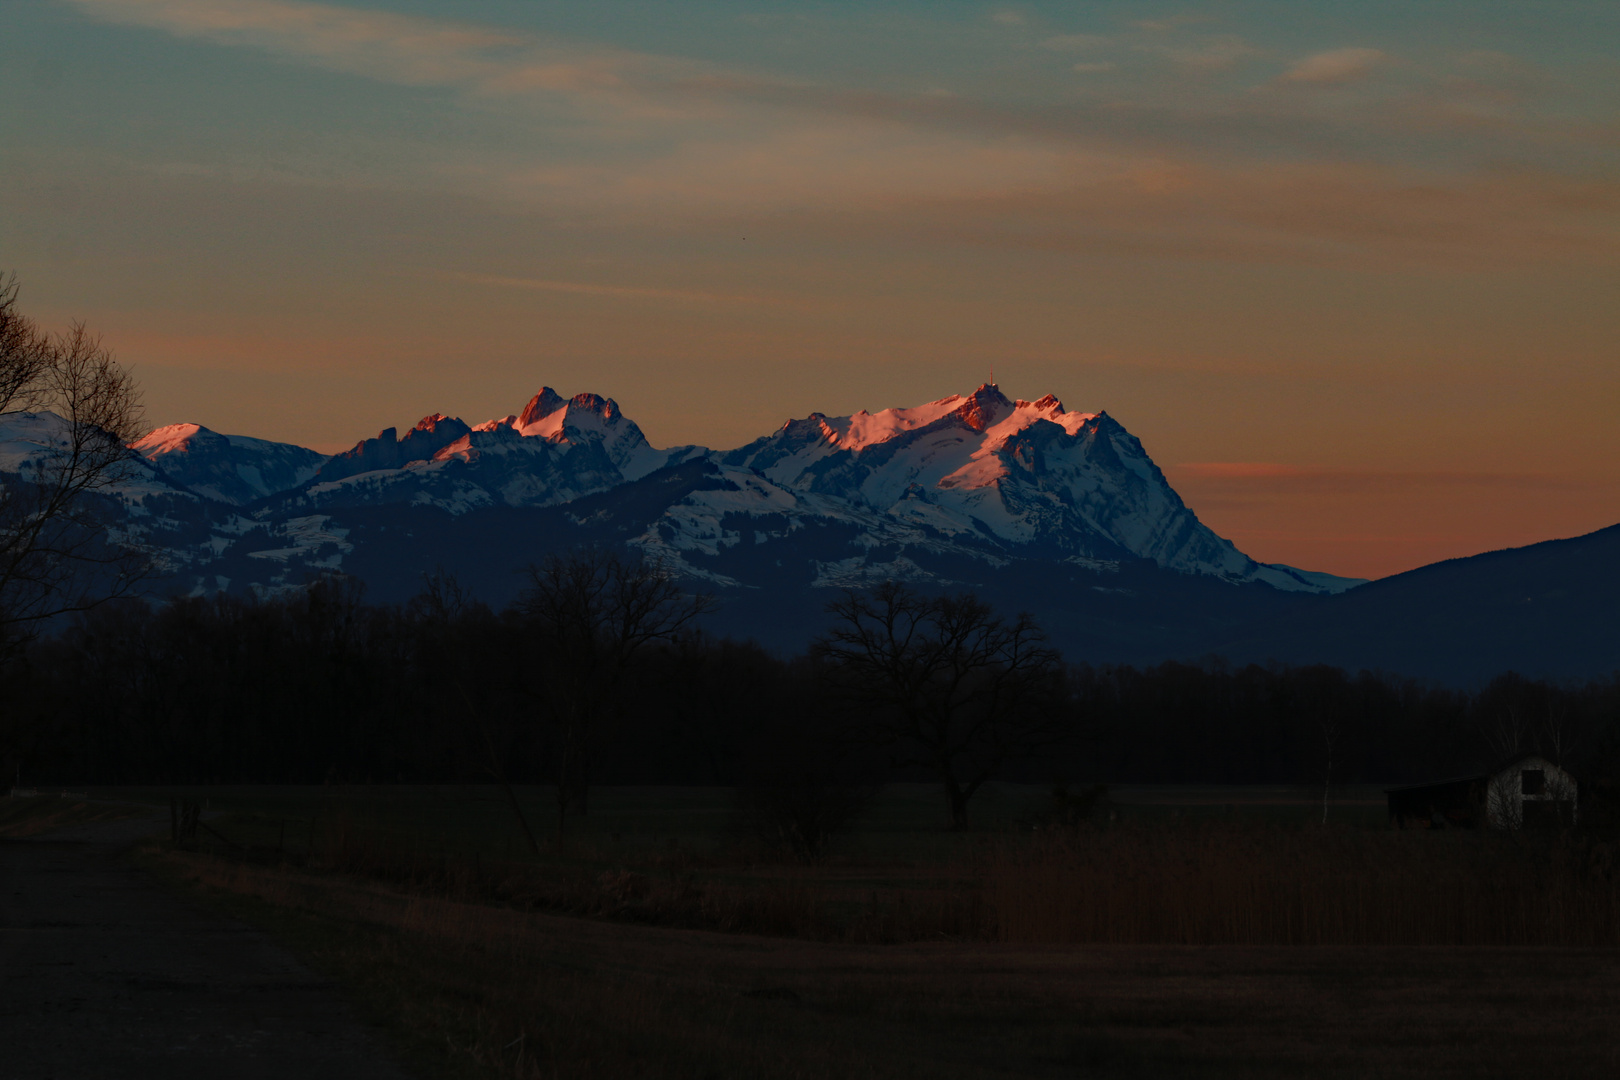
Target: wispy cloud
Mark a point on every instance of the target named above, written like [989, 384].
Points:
[1334, 67]
[1170, 24]
[1220, 53]
[394, 48]
[825, 167]
[1076, 42]
[1264, 177]
[617, 292]
[1321, 214]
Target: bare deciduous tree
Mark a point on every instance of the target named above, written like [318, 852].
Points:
[23, 353]
[70, 410]
[593, 613]
[947, 679]
[447, 618]
[801, 783]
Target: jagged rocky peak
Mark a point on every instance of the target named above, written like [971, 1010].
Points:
[543, 405]
[973, 476]
[522, 455]
[987, 413]
[584, 419]
[982, 408]
[388, 451]
[432, 433]
[433, 423]
[1026, 472]
[548, 414]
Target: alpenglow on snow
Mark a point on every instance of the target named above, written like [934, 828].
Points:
[958, 492]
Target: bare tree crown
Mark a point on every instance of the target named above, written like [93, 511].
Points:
[593, 612]
[54, 557]
[957, 686]
[600, 608]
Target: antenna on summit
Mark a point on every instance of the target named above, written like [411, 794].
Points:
[992, 375]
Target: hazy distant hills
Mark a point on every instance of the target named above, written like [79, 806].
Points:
[1550, 609]
[1034, 507]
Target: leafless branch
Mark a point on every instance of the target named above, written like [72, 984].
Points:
[958, 687]
[592, 613]
[72, 409]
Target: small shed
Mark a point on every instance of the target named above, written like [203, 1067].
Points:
[1527, 791]
[1530, 792]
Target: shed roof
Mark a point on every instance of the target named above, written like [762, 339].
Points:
[1437, 783]
[1495, 770]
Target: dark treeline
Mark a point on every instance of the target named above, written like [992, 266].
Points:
[319, 686]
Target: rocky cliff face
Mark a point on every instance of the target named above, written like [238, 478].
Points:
[388, 451]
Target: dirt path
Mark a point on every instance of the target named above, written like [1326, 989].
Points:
[104, 975]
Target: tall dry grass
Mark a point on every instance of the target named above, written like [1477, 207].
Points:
[1182, 882]
[1248, 884]
[456, 951]
[493, 991]
[677, 888]
[27, 816]
[513, 994]
[661, 891]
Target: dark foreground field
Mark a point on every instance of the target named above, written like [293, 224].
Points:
[106, 976]
[1187, 933]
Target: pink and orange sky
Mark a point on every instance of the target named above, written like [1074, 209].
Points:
[1350, 271]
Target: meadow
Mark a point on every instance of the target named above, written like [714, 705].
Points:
[1175, 931]
[44, 812]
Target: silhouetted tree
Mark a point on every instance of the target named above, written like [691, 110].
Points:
[958, 689]
[593, 613]
[54, 557]
[803, 781]
[452, 630]
[714, 691]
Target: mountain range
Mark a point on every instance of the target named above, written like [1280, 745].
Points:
[1032, 506]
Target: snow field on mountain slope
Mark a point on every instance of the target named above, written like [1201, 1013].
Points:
[960, 473]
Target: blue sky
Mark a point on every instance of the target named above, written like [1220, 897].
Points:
[1348, 269]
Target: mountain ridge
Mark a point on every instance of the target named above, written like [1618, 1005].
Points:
[1034, 507]
[980, 467]
[235, 469]
[1552, 609]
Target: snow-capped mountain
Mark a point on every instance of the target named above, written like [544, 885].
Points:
[1033, 506]
[33, 444]
[1026, 473]
[233, 469]
[587, 420]
[980, 474]
[133, 503]
[556, 450]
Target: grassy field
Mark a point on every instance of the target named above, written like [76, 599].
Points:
[903, 822]
[1181, 932]
[475, 990]
[45, 812]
